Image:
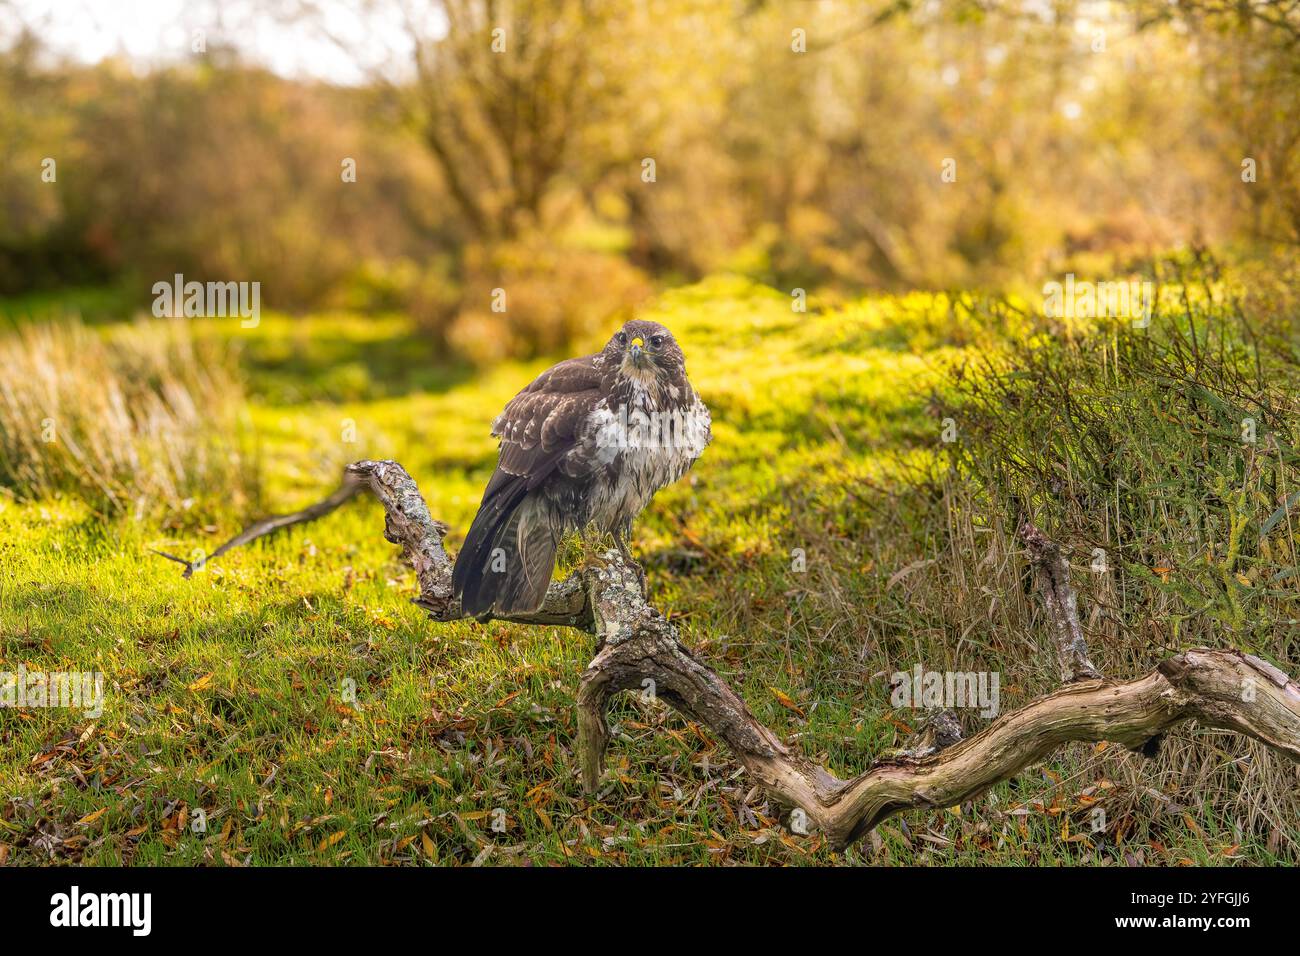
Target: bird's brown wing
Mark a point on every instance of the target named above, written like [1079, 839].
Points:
[542, 423]
[509, 551]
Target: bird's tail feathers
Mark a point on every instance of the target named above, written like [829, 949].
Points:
[505, 564]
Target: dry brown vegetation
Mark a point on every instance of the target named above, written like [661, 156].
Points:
[140, 419]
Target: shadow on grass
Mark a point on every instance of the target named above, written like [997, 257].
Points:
[317, 366]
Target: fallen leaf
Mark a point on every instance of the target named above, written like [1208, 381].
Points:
[904, 572]
[785, 701]
[330, 840]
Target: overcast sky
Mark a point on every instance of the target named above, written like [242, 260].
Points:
[273, 32]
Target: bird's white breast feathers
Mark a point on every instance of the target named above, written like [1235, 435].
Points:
[641, 450]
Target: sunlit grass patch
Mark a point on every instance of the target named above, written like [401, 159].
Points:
[291, 692]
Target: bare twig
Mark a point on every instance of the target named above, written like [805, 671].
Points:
[347, 490]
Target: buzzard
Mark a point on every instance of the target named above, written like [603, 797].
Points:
[588, 443]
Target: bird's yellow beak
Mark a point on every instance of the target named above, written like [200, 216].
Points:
[638, 341]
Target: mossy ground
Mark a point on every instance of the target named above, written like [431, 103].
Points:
[227, 693]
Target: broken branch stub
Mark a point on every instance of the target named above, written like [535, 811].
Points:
[1052, 573]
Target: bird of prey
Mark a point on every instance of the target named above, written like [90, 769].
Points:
[588, 443]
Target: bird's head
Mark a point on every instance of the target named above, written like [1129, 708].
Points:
[646, 352]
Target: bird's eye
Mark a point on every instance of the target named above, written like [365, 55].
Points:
[621, 338]
[656, 341]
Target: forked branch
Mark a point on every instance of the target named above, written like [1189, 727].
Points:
[1219, 689]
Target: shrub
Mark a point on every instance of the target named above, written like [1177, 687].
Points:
[551, 296]
[1166, 460]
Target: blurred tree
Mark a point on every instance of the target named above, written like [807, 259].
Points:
[509, 144]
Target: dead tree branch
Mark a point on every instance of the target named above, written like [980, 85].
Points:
[638, 649]
[1052, 572]
[408, 523]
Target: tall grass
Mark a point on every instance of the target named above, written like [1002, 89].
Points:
[140, 419]
[1125, 445]
[1166, 459]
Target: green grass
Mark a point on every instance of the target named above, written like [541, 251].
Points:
[227, 693]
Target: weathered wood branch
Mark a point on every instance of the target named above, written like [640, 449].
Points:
[407, 522]
[1205, 685]
[638, 649]
[1052, 572]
